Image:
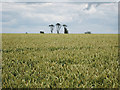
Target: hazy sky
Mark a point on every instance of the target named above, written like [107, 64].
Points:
[97, 17]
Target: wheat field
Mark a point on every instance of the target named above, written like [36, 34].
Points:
[60, 61]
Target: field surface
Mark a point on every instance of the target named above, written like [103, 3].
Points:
[62, 61]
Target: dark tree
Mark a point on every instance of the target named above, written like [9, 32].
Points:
[51, 27]
[58, 26]
[42, 32]
[64, 25]
[88, 32]
[65, 29]
[26, 33]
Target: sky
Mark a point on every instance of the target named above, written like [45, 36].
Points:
[33, 17]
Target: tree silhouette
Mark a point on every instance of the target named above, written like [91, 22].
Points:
[58, 26]
[88, 32]
[52, 27]
[64, 25]
[42, 32]
[65, 29]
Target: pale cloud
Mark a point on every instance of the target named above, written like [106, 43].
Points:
[78, 16]
[60, 0]
[11, 22]
[58, 14]
[91, 10]
[48, 18]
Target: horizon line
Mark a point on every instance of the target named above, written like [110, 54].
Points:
[59, 33]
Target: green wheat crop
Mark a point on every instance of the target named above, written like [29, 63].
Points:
[60, 61]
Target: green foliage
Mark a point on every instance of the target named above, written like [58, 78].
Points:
[62, 61]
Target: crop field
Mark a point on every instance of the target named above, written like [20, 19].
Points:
[60, 60]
